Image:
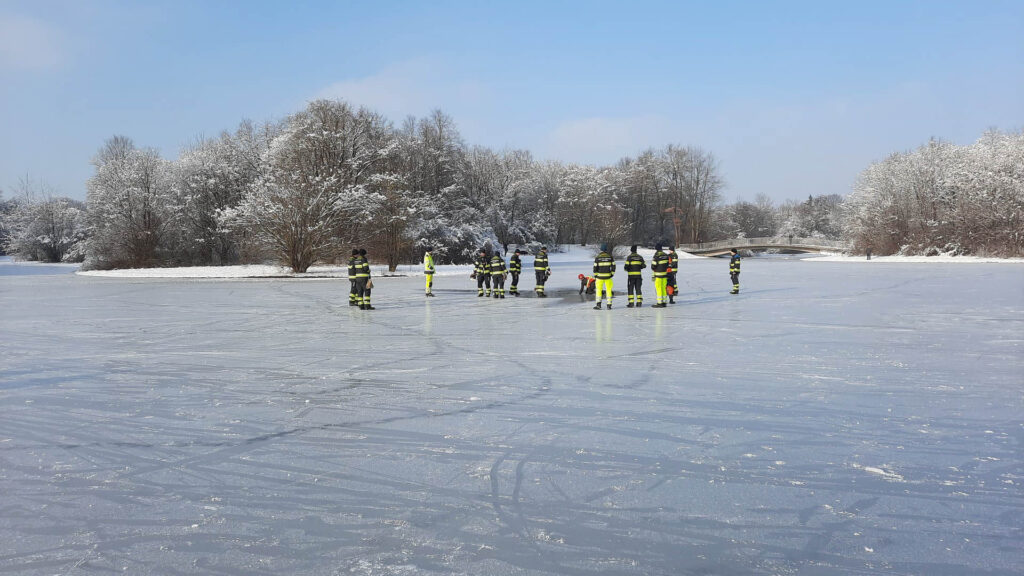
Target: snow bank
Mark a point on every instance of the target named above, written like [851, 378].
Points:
[904, 259]
[565, 254]
[573, 253]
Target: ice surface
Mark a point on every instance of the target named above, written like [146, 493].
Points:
[831, 419]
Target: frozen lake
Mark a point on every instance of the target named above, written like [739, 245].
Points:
[834, 418]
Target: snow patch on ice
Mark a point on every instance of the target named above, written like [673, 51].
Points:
[941, 259]
[885, 474]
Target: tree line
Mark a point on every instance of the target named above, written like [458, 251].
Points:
[942, 198]
[331, 176]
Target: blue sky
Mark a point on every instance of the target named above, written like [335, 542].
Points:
[792, 98]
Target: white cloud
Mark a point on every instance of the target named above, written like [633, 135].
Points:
[28, 44]
[414, 87]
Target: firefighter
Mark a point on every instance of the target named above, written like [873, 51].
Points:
[542, 270]
[428, 270]
[673, 266]
[482, 273]
[587, 284]
[497, 269]
[353, 297]
[659, 273]
[734, 271]
[634, 265]
[604, 269]
[363, 282]
[515, 267]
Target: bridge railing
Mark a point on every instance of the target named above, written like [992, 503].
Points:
[768, 241]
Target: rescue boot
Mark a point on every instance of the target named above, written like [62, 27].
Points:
[630, 305]
[609, 305]
[597, 306]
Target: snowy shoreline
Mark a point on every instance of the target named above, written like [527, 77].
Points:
[574, 254]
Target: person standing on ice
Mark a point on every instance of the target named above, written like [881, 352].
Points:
[604, 269]
[542, 270]
[659, 273]
[353, 294]
[673, 266]
[497, 266]
[482, 273]
[734, 271]
[363, 282]
[515, 267]
[634, 265]
[428, 269]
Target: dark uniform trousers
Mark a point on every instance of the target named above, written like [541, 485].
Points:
[633, 287]
[362, 292]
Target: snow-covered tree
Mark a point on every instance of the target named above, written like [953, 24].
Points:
[315, 171]
[942, 198]
[213, 176]
[6, 207]
[588, 207]
[754, 219]
[452, 195]
[43, 227]
[131, 209]
[817, 217]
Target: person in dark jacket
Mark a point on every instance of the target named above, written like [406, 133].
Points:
[515, 267]
[482, 273]
[497, 268]
[542, 270]
[734, 271]
[634, 265]
[604, 270]
[353, 294]
[671, 287]
[363, 284]
[659, 272]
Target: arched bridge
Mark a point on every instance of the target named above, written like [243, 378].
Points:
[791, 243]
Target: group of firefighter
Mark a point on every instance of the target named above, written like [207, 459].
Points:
[490, 273]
